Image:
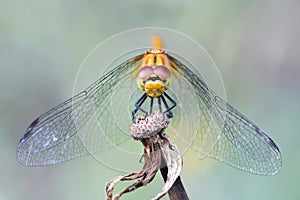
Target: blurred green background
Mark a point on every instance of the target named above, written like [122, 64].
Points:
[254, 43]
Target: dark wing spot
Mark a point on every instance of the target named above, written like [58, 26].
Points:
[28, 131]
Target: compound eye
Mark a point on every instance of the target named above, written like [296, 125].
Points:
[162, 72]
[145, 72]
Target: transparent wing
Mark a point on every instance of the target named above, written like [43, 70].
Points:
[225, 134]
[64, 132]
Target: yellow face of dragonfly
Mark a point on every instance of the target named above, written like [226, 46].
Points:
[154, 74]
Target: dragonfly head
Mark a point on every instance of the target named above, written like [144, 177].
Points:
[154, 80]
[154, 75]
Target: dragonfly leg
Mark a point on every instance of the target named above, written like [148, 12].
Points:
[151, 105]
[138, 105]
[159, 104]
[162, 98]
[168, 109]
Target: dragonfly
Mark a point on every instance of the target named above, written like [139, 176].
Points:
[81, 125]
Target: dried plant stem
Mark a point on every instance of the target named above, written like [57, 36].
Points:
[146, 174]
[150, 131]
[177, 191]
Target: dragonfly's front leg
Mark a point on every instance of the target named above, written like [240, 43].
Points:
[138, 105]
[168, 109]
